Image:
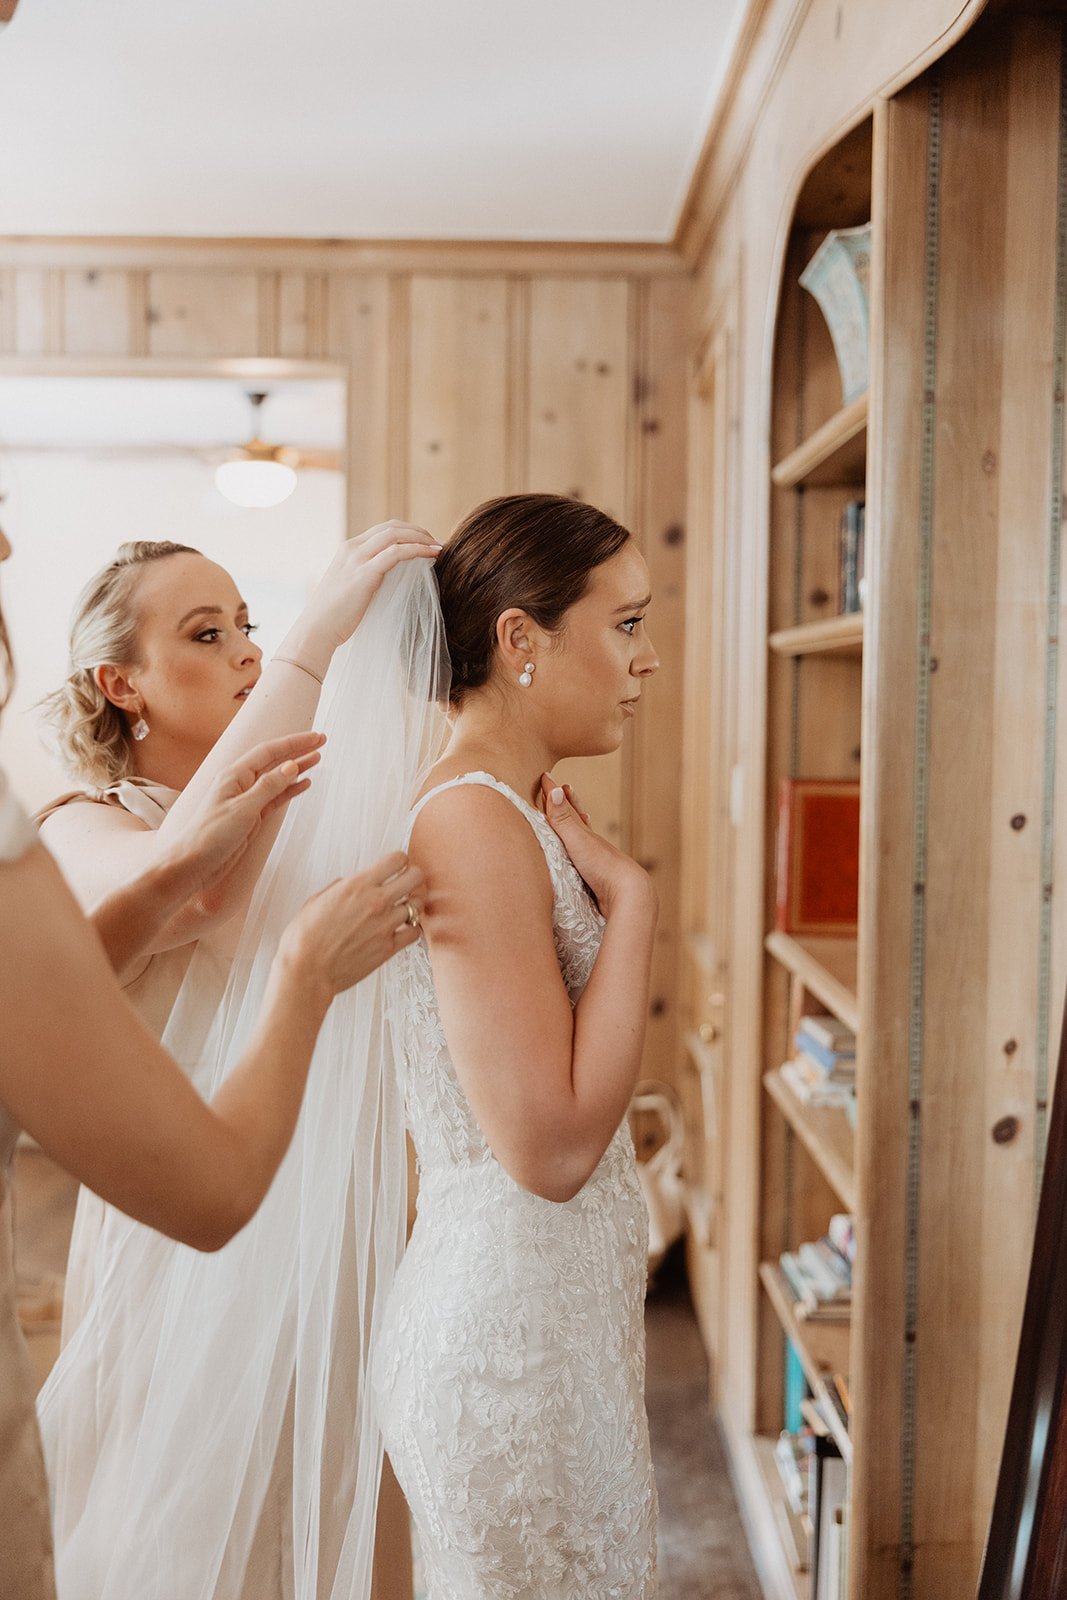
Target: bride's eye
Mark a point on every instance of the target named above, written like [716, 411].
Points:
[249, 628]
[630, 624]
[207, 636]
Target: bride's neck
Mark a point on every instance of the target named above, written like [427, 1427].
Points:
[489, 736]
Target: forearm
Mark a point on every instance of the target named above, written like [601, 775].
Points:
[131, 922]
[609, 1033]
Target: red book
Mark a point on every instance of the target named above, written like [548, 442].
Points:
[818, 856]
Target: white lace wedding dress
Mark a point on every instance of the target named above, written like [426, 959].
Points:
[510, 1366]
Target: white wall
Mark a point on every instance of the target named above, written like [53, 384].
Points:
[65, 515]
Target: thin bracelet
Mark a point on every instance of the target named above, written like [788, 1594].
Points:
[299, 665]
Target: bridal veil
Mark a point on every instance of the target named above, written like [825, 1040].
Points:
[209, 1403]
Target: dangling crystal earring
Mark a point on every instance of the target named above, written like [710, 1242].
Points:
[526, 676]
[140, 729]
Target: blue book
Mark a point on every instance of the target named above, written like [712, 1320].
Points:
[827, 1059]
[796, 1389]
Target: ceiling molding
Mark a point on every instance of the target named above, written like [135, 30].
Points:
[446, 256]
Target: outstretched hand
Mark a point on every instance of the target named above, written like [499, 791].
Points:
[215, 836]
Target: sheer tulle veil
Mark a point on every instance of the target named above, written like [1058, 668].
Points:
[213, 1409]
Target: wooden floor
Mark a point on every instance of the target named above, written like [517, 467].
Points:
[703, 1554]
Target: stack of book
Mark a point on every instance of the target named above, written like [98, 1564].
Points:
[819, 1275]
[823, 1071]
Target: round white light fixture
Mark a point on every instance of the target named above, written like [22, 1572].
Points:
[255, 484]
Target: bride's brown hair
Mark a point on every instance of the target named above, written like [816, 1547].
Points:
[535, 552]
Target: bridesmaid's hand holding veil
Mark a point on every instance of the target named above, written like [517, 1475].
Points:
[347, 587]
[607, 871]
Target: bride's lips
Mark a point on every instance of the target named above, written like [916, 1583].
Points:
[630, 706]
[242, 694]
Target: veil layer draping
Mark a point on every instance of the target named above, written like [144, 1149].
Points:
[211, 1422]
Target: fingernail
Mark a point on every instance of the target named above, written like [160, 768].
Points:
[290, 769]
[557, 797]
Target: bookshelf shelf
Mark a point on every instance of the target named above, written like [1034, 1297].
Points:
[826, 967]
[834, 455]
[779, 1515]
[824, 1132]
[823, 1349]
[841, 636]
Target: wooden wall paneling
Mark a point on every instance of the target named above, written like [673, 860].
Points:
[579, 421]
[358, 332]
[7, 310]
[660, 404]
[579, 389]
[201, 313]
[1020, 459]
[268, 311]
[518, 395]
[886, 867]
[398, 436]
[96, 318]
[292, 329]
[38, 312]
[707, 830]
[458, 402]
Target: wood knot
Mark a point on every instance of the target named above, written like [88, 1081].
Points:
[1005, 1130]
[657, 1008]
[1011, 1047]
[673, 533]
[651, 426]
[1018, 822]
[989, 462]
[819, 597]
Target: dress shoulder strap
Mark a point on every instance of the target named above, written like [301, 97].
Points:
[487, 781]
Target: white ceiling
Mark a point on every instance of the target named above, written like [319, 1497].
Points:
[491, 119]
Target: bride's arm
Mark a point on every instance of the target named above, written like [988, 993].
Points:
[548, 1084]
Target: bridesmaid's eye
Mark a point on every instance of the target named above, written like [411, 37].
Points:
[208, 636]
[630, 624]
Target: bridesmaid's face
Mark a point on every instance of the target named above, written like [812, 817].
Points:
[588, 682]
[196, 661]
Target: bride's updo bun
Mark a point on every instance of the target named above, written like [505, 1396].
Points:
[92, 736]
[533, 552]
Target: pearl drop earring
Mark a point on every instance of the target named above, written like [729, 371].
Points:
[526, 676]
[140, 729]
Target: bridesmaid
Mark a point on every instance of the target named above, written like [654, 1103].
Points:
[160, 693]
[87, 1079]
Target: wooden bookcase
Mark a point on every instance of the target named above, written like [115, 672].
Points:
[814, 725]
[945, 699]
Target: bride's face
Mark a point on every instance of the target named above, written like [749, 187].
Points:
[588, 680]
[196, 662]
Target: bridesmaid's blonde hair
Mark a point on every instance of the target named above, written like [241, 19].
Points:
[92, 735]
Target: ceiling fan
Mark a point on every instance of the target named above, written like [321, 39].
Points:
[258, 474]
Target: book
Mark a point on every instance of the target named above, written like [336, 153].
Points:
[823, 1276]
[830, 1060]
[831, 1033]
[807, 1306]
[812, 1087]
[842, 1233]
[818, 856]
[851, 557]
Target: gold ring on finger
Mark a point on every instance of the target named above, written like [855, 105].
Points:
[411, 916]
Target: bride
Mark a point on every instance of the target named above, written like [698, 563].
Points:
[510, 1367]
[509, 1353]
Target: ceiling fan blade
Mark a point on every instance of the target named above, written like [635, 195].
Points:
[317, 460]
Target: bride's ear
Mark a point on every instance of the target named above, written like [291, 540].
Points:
[516, 641]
